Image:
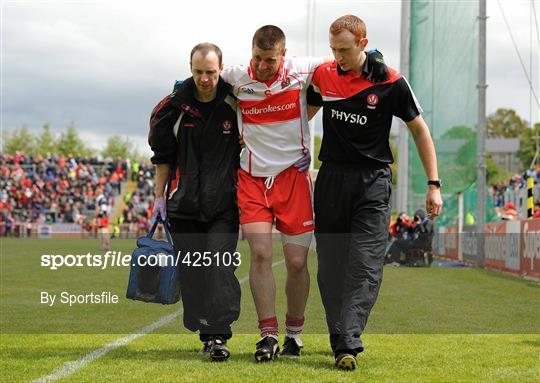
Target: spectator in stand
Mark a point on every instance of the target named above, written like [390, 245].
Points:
[537, 209]
[509, 212]
[134, 171]
[8, 224]
[139, 204]
[103, 225]
[502, 191]
[469, 219]
[28, 227]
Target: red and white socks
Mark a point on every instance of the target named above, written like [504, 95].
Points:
[269, 327]
[293, 327]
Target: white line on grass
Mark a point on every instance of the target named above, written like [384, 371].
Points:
[73, 366]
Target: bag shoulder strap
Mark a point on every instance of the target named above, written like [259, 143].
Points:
[165, 224]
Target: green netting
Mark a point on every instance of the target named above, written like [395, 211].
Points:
[444, 75]
[449, 216]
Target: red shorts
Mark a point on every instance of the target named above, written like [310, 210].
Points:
[288, 200]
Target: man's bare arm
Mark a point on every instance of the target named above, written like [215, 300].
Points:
[426, 151]
[312, 111]
[162, 176]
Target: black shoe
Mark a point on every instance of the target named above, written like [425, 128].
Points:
[207, 346]
[346, 361]
[291, 347]
[267, 349]
[219, 352]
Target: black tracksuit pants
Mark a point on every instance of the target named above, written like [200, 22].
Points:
[210, 294]
[352, 213]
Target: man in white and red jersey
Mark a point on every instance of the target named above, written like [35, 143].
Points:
[273, 121]
[352, 193]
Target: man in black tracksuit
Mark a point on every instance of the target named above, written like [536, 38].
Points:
[194, 137]
[353, 186]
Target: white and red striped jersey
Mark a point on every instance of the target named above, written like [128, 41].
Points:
[272, 115]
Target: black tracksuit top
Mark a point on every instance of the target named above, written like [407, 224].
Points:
[203, 153]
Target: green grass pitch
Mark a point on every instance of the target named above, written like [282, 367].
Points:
[429, 325]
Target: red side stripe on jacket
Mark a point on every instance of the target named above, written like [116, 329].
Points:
[158, 108]
[154, 114]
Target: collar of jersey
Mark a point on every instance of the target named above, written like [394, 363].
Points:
[273, 79]
[353, 73]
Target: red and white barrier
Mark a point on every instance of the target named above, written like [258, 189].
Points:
[510, 246]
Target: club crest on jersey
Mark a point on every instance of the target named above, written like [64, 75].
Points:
[372, 101]
[227, 126]
[286, 82]
[267, 92]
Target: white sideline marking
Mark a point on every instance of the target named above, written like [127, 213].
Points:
[73, 366]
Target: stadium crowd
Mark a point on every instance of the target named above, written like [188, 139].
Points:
[68, 189]
[503, 194]
[135, 217]
[56, 189]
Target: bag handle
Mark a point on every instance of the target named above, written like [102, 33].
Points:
[157, 221]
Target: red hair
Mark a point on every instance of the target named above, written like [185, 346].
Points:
[351, 23]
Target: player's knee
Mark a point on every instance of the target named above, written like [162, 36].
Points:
[261, 255]
[296, 265]
[296, 250]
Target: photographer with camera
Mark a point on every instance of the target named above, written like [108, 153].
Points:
[401, 231]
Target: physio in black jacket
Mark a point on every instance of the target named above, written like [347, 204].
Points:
[194, 137]
[353, 188]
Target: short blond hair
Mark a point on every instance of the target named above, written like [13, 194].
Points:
[351, 23]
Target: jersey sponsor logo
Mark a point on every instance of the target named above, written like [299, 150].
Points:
[351, 118]
[269, 108]
[247, 90]
[227, 126]
[280, 107]
[189, 125]
[372, 100]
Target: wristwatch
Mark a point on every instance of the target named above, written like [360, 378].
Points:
[436, 183]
